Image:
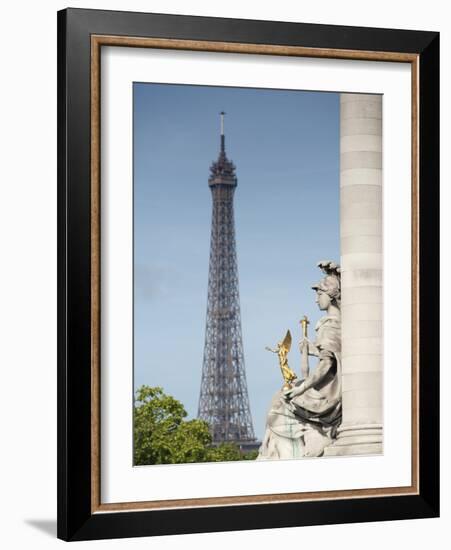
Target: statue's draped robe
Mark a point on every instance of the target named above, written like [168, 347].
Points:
[305, 424]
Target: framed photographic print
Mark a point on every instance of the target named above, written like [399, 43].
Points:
[248, 274]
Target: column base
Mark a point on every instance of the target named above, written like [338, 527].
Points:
[362, 439]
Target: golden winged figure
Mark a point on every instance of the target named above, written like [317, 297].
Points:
[282, 351]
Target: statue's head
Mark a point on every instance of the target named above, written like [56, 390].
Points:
[328, 289]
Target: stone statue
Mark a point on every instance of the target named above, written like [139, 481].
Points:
[303, 418]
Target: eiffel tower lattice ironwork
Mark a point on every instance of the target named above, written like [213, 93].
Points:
[224, 401]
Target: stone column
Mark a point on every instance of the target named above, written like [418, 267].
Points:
[361, 261]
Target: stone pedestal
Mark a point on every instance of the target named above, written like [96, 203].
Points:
[361, 278]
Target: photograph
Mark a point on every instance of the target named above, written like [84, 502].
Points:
[257, 274]
[226, 252]
[248, 274]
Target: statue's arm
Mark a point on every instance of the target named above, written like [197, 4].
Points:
[325, 364]
[321, 371]
[313, 349]
[308, 347]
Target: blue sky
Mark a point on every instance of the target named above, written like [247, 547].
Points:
[285, 145]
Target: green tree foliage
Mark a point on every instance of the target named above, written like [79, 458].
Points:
[224, 453]
[251, 455]
[162, 436]
[227, 452]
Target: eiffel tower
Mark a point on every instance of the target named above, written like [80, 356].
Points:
[224, 401]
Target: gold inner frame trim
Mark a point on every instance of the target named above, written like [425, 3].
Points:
[97, 41]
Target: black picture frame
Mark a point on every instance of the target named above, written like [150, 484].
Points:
[76, 520]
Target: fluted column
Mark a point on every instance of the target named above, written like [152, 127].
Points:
[361, 261]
